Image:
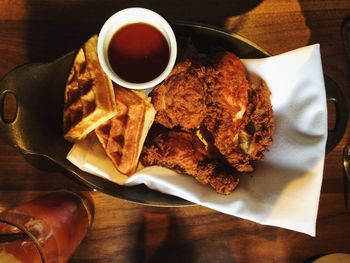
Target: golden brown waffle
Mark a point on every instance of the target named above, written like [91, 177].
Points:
[89, 97]
[123, 136]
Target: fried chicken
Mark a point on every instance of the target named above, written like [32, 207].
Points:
[185, 153]
[227, 100]
[257, 133]
[180, 99]
[214, 94]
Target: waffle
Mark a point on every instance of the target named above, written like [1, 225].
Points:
[89, 98]
[123, 136]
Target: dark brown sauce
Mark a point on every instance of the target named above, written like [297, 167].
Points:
[138, 53]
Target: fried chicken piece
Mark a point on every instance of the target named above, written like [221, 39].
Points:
[237, 112]
[180, 99]
[185, 153]
[228, 100]
[257, 133]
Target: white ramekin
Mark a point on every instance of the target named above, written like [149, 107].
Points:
[129, 16]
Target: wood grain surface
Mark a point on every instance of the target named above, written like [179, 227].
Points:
[37, 31]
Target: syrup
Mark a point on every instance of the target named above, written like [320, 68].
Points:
[138, 52]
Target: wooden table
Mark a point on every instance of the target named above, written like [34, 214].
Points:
[36, 31]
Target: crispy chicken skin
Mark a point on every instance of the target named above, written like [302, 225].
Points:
[259, 127]
[185, 153]
[227, 100]
[181, 95]
[256, 131]
[216, 95]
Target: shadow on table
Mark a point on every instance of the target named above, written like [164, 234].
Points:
[57, 27]
[161, 239]
[38, 174]
[324, 28]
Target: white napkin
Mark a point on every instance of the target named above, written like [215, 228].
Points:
[284, 189]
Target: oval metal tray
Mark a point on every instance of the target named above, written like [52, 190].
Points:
[39, 90]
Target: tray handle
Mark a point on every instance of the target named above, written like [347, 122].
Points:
[9, 105]
[335, 96]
